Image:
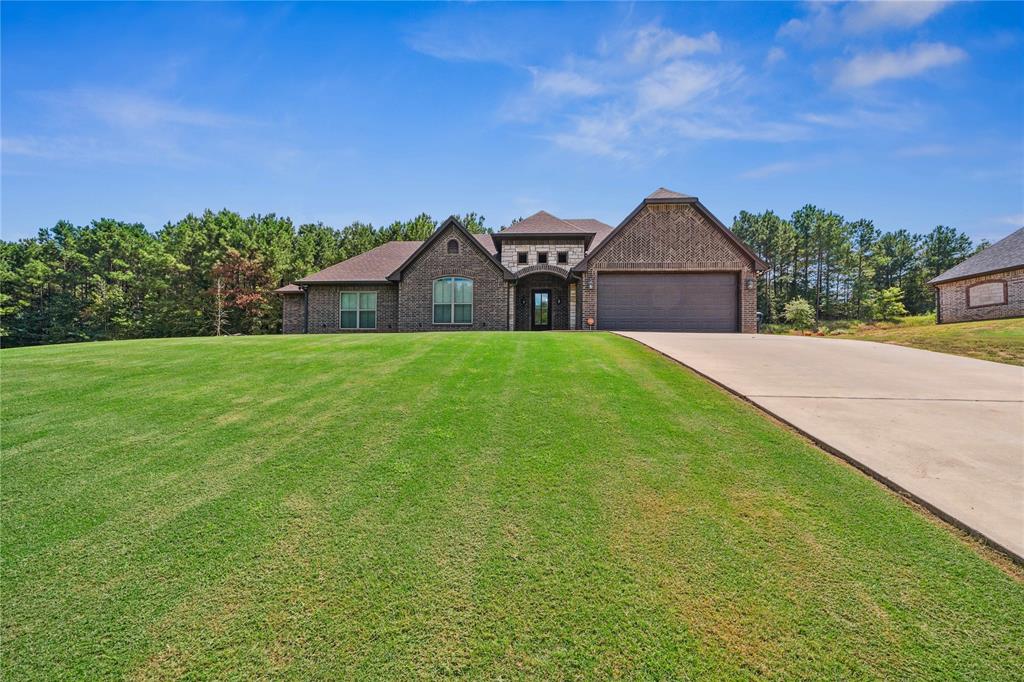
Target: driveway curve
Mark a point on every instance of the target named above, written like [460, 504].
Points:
[947, 430]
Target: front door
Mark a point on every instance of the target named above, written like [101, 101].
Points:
[541, 316]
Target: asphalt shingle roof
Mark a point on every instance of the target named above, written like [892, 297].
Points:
[1005, 254]
[662, 193]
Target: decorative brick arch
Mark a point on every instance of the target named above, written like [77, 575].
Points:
[545, 268]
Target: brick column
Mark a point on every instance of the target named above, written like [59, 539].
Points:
[511, 306]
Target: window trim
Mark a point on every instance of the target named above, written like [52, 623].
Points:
[358, 309]
[539, 255]
[522, 257]
[1006, 293]
[562, 257]
[433, 304]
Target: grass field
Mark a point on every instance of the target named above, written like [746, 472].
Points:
[482, 505]
[995, 340]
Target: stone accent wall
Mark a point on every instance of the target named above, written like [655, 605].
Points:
[292, 313]
[524, 300]
[510, 249]
[572, 306]
[325, 307]
[953, 298]
[674, 237]
[416, 290]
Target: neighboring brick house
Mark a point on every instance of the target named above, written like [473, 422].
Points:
[670, 265]
[987, 286]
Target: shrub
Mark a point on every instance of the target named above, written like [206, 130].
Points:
[799, 313]
[890, 304]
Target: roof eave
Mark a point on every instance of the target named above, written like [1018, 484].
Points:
[935, 281]
[587, 237]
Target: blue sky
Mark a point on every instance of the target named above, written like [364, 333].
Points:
[911, 114]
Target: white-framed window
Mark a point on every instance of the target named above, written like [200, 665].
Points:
[359, 310]
[453, 300]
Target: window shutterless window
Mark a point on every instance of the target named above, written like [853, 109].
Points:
[523, 255]
[563, 256]
[542, 256]
[358, 310]
[453, 300]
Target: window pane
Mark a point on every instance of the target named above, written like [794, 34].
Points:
[368, 301]
[367, 319]
[348, 301]
[442, 314]
[463, 313]
[463, 291]
[443, 290]
[348, 319]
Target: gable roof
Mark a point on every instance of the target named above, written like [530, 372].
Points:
[667, 196]
[288, 289]
[1005, 254]
[453, 222]
[543, 224]
[600, 230]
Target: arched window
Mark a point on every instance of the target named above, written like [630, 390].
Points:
[453, 300]
[453, 246]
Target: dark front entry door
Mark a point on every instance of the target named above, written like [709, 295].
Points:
[540, 318]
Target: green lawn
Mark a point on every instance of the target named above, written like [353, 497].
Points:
[488, 505]
[996, 340]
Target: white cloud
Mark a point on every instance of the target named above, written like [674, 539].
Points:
[564, 83]
[1016, 220]
[654, 44]
[870, 68]
[680, 82]
[774, 56]
[860, 17]
[824, 21]
[126, 109]
[778, 168]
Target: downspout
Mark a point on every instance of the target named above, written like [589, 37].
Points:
[305, 309]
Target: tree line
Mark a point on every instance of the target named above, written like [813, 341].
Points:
[844, 269]
[205, 274]
[214, 273]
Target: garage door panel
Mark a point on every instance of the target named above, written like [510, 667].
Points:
[668, 301]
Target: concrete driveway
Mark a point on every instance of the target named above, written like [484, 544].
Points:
[945, 429]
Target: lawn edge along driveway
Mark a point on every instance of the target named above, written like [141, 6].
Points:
[943, 430]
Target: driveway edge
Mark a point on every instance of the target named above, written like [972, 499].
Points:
[835, 452]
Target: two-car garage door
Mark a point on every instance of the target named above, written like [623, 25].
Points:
[671, 301]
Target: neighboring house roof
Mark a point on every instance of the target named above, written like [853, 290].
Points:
[288, 289]
[667, 196]
[1005, 254]
[662, 193]
[486, 247]
[372, 266]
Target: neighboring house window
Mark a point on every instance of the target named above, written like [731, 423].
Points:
[986, 293]
[453, 246]
[453, 300]
[523, 255]
[542, 256]
[563, 257]
[359, 310]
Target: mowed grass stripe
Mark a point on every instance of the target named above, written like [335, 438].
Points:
[482, 505]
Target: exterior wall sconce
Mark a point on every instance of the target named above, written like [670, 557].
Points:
[748, 284]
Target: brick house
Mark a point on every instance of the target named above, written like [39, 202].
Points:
[670, 265]
[987, 286]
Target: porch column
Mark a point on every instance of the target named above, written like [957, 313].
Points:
[572, 305]
[512, 306]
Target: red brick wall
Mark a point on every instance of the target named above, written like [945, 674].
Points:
[291, 313]
[673, 237]
[953, 298]
[325, 307]
[416, 290]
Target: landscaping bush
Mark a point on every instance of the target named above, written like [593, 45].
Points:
[799, 313]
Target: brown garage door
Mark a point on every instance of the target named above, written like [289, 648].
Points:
[687, 302]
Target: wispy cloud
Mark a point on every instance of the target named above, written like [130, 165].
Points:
[823, 21]
[924, 151]
[565, 82]
[870, 68]
[774, 56]
[780, 168]
[1015, 219]
[654, 44]
[133, 110]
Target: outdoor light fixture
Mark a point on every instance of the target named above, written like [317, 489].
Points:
[749, 284]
